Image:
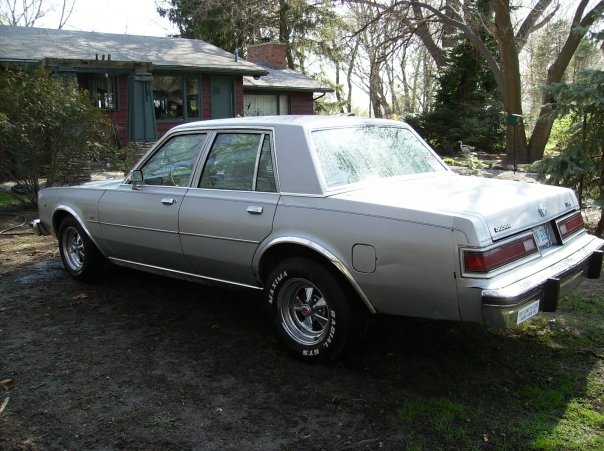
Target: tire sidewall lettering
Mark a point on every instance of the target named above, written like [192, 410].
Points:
[274, 285]
[293, 274]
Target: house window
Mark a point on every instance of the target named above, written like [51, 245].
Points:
[104, 92]
[265, 104]
[193, 98]
[176, 97]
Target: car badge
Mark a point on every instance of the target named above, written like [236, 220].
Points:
[542, 210]
[501, 228]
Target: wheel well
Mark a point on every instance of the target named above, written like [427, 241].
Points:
[57, 218]
[283, 251]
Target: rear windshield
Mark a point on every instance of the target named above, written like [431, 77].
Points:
[356, 154]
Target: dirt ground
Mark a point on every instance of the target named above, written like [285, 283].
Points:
[144, 362]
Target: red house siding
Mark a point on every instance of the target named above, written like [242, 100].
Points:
[163, 127]
[302, 103]
[119, 117]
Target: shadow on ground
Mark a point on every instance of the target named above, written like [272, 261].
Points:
[144, 362]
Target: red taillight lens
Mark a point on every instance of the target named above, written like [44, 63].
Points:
[571, 225]
[485, 261]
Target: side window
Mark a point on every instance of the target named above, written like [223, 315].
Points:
[173, 163]
[265, 180]
[232, 162]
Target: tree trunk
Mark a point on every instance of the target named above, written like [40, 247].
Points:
[516, 148]
[353, 58]
[544, 124]
[285, 32]
[374, 90]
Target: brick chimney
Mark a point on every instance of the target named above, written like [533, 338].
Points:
[271, 54]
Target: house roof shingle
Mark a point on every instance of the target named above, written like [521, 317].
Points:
[283, 79]
[26, 44]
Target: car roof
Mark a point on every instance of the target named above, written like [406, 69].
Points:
[308, 121]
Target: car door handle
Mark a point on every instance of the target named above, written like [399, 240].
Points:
[253, 210]
[168, 201]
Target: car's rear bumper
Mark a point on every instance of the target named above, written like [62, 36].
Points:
[39, 227]
[509, 306]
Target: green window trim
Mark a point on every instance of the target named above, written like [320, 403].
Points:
[104, 92]
[176, 98]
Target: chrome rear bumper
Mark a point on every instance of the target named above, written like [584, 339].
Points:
[500, 307]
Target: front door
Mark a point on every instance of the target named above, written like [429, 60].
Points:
[224, 219]
[223, 97]
[140, 223]
[141, 111]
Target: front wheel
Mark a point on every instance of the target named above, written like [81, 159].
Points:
[310, 309]
[81, 258]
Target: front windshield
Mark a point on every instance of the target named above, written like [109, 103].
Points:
[356, 154]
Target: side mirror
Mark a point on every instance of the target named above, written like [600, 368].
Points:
[136, 177]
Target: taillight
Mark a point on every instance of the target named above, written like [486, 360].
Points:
[571, 225]
[485, 261]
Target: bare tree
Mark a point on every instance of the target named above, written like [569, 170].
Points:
[27, 13]
[581, 22]
[386, 50]
[510, 38]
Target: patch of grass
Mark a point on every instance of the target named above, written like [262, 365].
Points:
[580, 428]
[9, 200]
[442, 416]
[543, 398]
[539, 386]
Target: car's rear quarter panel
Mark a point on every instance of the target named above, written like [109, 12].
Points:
[415, 252]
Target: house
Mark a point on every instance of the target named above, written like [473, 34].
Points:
[282, 90]
[149, 84]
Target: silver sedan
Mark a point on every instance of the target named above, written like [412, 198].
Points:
[334, 218]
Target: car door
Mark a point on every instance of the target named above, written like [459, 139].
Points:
[140, 221]
[224, 218]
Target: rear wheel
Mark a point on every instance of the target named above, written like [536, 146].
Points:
[310, 309]
[81, 258]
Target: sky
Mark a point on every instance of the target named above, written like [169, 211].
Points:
[110, 16]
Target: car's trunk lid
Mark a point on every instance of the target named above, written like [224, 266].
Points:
[506, 206]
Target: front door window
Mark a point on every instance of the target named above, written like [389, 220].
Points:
[173, 163]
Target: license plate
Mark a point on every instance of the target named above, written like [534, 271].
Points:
[527, 312]
[542, 236]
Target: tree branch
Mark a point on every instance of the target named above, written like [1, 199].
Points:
[424, 34]
[472, 37]
[528, 26]
[65, 15]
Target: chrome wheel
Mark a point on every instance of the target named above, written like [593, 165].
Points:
[304, 313]
[73, 249]
[81, 258]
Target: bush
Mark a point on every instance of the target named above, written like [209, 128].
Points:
[578, 161]
[49, 129]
